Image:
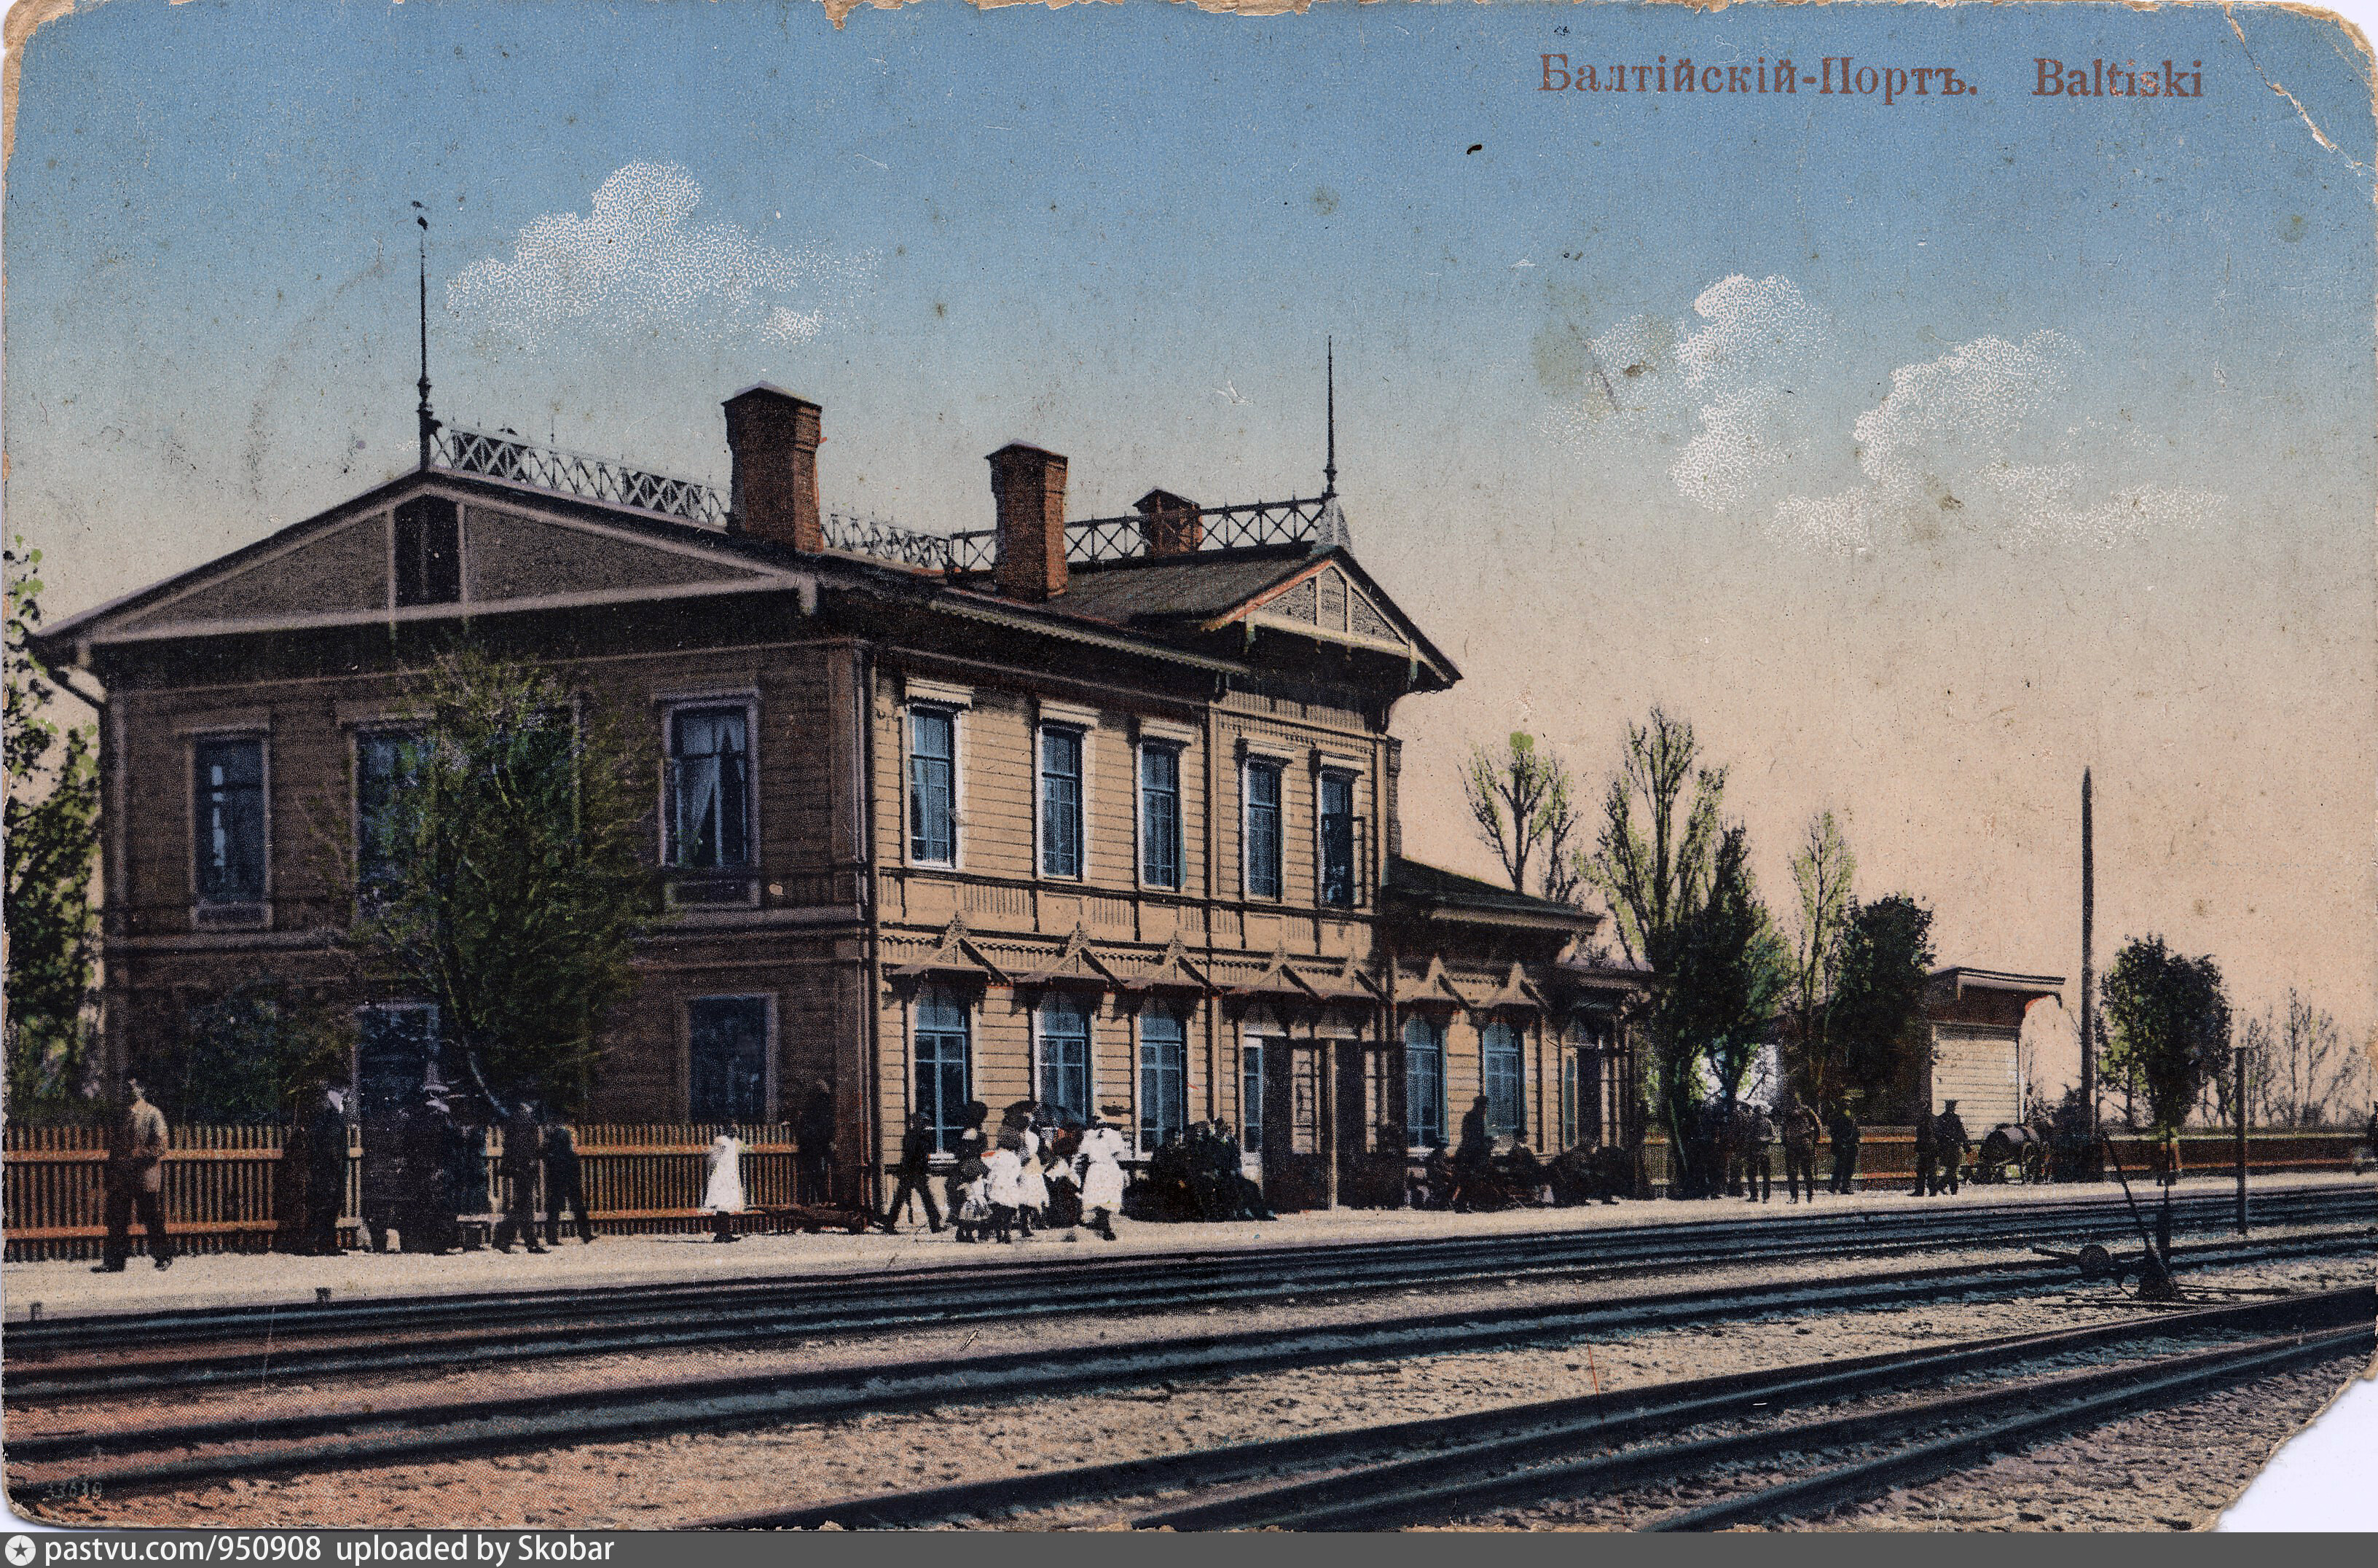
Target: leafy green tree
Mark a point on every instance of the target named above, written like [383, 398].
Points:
[1655, 862]
[1822, 874]
[259, 1053]
[51, 828]
[2169, 1026]
[1523, 802]
[1886, 959]
[508, 881]
[1729, 970]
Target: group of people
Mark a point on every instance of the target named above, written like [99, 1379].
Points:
[1730, 1152]
[1940, 1146]
[1036, 1171]
[1195, 1174]
[424, 1170]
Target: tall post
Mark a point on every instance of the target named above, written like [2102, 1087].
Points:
[427, 421]
[2237, 1096]
[2088, 970]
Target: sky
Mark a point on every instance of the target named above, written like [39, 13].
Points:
[1921, 454]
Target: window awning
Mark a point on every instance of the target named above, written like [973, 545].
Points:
[953, 956]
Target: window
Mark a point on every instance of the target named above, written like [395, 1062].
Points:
[726, 1066]
[1263, 829]
[1424, 1082]
[1572, 1095]
[387, 763]
[1061, 803]
[1499, 1050]
[941, 1051]
[1064, 1083]
[1159, 816]
[1163, 1077]
[230, 827]
[933, 786]
[395, 1046]
[1251, 1096]
[1338, 840]
[428, 552]
[710, 789]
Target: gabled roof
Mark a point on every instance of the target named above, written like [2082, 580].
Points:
[1441, 894]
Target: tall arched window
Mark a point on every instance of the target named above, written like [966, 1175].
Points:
[942, 1063]
[1065, 1077]
[1163, 1076]
[1424, 1082]
[1505, 1101]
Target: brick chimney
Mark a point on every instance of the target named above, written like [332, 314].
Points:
[773, 436]
[1029, 488]
[1169, 524]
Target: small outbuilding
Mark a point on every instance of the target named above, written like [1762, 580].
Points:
[1966, 1044]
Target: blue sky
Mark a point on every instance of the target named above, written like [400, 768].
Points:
[2130, 341]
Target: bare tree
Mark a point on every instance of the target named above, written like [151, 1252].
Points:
[1525, 807]
[1821, 872]
[2300, 1070]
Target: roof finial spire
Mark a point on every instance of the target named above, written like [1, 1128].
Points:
[427, 420]
[1329, 463]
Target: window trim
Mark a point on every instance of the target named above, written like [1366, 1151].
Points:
[1437, 1034]
[1069, 724]
[1322, 773]
[750, 873]
[914, 1010]
[1247, 766]
[1088, 1004]
[210, 913]
[1519, 1036]
[956, 713]
[768, 1086]
[1139, 1044]
[1179, 750]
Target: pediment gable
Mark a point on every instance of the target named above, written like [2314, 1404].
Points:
[338, 569]
[1333, 600]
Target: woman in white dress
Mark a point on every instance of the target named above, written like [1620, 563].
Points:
[723, 1195]
[1032, 1189]
[1102, 1163]
[1003, 1184]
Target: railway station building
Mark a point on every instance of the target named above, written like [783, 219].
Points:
[1098, 812]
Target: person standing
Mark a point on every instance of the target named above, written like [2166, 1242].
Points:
[813, 1145]
[1003, 1184]
[1800, 1131]
[134, 1176]
[523, 1147]
[1032, 1187]
[1757, 1155]
[1950, 1145]
[722, 1194]
[1926, 1147]
[1102, 1160]
[325, 1173]
[565, 1185]
[1844, 1132]
[914, 1171]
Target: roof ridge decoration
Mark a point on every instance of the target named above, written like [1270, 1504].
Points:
[953, 953]
[1437, 986]
[1279, 978]
[1515, 991]
[1347, 982]
[1171, 971]
[1075, 964]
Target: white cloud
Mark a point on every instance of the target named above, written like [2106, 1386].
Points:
[1982, 439]
[636, 260]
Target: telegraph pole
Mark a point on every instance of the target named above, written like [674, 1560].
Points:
[2088, 971]
[2239, 1092]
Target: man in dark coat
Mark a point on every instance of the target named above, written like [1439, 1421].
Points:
[914, 1171]
[135, 1177]
[1844, 1132]
[565, 1185]
[523, 1150]
[1800, 1133]
[813, 1144]
[1758, 1132]
[1927, 1158]
[1477, 1146]
[325, 1173]
[1950, 1145]
[427, 1221]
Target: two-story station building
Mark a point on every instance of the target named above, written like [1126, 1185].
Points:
[1098, 813]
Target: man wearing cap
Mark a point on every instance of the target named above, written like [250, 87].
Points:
[1949, 1142]
[134, 1176]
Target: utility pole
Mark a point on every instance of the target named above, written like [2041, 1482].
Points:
[2088, 971]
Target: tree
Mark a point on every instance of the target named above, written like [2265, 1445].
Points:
[1523, 800]
[1886, 959]
[508, 882]
[2169, 1022]
[1729, 971]
[52, 829]
[2299, 1068]
[1655, 860]
[259, 1053]
[1821, 874]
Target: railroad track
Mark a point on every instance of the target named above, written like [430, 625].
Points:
[1454, 1467]
[114, 1457]
[122, 1356]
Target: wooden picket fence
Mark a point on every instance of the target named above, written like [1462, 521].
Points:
[222, 1189]
[1887, 1154]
